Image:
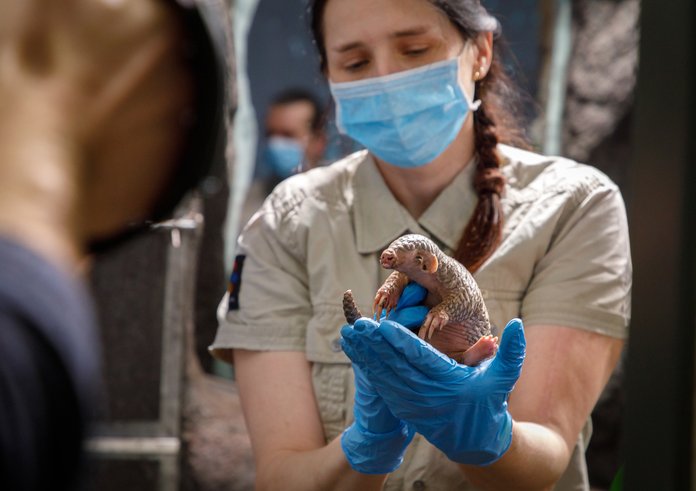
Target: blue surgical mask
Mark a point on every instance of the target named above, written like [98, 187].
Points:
[284, 155]
[407, 118]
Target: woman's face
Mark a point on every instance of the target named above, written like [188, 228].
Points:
[372, 38]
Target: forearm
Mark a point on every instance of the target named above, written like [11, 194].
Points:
[318, 469]
[285, 427]
[536, 459]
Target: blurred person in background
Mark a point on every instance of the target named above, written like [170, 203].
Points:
[106, 120]
[295, 133]
[295, 141]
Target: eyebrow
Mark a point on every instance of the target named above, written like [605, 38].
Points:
[413, 31]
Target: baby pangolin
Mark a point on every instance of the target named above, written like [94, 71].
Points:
[457, 323]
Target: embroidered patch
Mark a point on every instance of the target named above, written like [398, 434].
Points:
[235, 283]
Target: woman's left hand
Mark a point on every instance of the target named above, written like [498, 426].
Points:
[461, 410]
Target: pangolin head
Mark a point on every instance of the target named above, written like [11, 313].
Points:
[411, 251]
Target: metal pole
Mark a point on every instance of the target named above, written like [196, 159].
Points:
[160, 440]
[558, 78]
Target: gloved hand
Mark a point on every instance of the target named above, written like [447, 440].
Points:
[376, 441]
[461, 410]
[409, 312]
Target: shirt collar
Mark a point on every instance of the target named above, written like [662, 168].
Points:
[448, 215]
[379, 218]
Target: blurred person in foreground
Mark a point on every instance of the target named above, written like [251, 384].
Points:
[100, 119]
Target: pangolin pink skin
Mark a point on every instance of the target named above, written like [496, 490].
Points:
[457, 323]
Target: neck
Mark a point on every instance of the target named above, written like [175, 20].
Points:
[38, 178]
[417, 188]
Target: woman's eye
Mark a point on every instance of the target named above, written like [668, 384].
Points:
[355, 65]
[416, 51]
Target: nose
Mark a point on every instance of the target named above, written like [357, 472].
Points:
[388, 259]
[385, 64]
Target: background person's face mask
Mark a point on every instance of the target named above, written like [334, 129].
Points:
[407, 118]
[284, 155]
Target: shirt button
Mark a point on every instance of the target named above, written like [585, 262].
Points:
[419, 485]
[336, 345]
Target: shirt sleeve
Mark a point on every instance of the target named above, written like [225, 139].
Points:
[584, 279]
[272, 305]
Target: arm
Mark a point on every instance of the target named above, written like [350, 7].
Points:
[285, 427]
[584, 276]
[563, 376]
[389, 293]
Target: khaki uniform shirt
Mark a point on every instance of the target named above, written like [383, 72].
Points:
[564, 260]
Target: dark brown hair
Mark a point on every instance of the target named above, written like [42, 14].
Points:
[297, 94]
[495, 122]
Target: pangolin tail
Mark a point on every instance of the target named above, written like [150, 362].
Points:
[350, 310]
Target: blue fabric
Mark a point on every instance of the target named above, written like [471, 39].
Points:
[461, 410]
[284, 156]
[406, 119]
[49, 372]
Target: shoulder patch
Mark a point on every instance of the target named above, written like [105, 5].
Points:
[235, 283]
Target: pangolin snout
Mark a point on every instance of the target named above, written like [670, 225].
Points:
[388, 259]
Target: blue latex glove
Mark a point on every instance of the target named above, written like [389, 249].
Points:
[409, 312]
[376, 441]
[461, 410]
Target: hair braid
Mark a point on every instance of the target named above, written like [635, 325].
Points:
[483, 233]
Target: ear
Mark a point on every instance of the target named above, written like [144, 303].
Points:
[484, 53]
[430, 263]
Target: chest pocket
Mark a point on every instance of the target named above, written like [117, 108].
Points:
[333, 387]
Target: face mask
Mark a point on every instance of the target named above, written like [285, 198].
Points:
[408, 118]
[284, 155]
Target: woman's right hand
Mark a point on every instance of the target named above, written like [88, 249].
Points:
[376, 441]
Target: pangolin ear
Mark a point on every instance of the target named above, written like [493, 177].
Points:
[430, 263]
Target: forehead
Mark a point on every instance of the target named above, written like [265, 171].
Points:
[291, 114]
[367, 21]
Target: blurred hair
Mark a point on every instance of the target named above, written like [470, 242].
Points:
[496, 121]
[293, 95]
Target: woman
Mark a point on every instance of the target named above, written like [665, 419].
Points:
[545, 237]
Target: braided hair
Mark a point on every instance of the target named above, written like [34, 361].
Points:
[495, 122]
